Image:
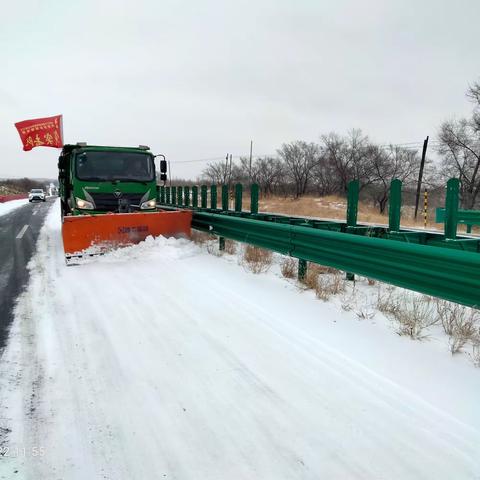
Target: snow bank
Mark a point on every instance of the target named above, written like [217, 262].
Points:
[161, 361]
[7, 207]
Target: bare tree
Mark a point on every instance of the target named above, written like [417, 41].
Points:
[388, 164]
[268, 172]
[473, 94]
[349, 157]
[218, 172]
[299, 159]
[459, 145]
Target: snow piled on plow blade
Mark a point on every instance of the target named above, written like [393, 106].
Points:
[94, 234]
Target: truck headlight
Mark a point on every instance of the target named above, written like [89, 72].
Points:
[83, 204]
[149, 204]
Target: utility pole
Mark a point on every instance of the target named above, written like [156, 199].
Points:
[420, 175]
[250, 164]
[226, 169]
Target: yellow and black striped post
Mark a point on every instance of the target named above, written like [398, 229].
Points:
[425, 208]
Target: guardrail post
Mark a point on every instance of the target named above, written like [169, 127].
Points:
[254, 198]
[352, 203]
[352, 213]
[221, 243]
[469, 228]
[451, 208]
[187, 196]
[195, 197]
[203, 196]
[224, 198]
[238, 197]
[394, 209]
[213, 197]
[180, 196]
[167, 195]
[174, 195]
[302, 269]
[162, 194]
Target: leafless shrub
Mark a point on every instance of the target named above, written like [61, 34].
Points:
[387, 301]
[348, 300]
[311, 276]
[457, 319]
[413, 315]
[213, 248]
[230, 246]
[475, 355]
[200, 238]
[288, 267]
[365, 313]
[371, 281]
[463, 330]
[256, 259]
[328, 285]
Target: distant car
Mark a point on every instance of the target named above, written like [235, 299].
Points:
[36, 194]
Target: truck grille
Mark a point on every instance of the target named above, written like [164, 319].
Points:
[108, 202]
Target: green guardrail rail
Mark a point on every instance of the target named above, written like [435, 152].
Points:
[465, 217]
[444, 264]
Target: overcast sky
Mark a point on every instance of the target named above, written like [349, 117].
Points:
[197, 79]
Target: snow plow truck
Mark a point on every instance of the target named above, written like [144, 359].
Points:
[109, 199]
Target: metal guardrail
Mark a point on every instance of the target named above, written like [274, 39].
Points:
[465, 217]
[442, 265]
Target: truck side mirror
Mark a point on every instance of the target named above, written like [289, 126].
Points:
[163, 166]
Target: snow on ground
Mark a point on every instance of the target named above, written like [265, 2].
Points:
[7, 207]
[161, 361]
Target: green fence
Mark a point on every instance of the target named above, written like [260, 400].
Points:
[441, 264]
[465, 217]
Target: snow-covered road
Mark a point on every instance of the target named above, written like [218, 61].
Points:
[161, 361]
[8, 207]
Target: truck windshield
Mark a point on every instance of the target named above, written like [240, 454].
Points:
[128, 166]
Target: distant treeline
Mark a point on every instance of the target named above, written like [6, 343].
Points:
[21, 185]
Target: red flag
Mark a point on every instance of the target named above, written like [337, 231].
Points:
[41, 132]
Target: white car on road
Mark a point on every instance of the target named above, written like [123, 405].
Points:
[36, 194]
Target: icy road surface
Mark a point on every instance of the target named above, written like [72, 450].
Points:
[162, 361]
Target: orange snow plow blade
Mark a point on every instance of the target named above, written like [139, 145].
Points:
[95, 234]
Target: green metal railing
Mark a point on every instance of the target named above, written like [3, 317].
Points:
[465, 217]
[444, 265]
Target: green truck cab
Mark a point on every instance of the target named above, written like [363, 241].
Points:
[97, 180]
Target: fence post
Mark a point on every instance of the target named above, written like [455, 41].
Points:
[167, 195]
[352, 213]
[195, 196]
[254, 198]
[221, 243]
[180, 196]
[451, 208]
[224, 198]
[352, 203]
[174, 195]
[302, 269]
[213, 197]
[187, 196]
[162, 194]
[203, 196]
[238, 197]
[394, 209]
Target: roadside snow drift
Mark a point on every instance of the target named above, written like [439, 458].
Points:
[7, 207]
[161, 361]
